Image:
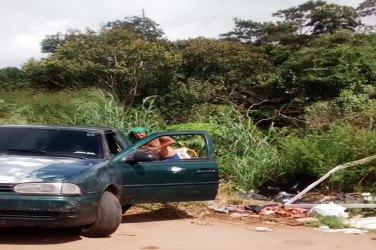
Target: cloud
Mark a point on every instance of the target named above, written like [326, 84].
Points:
[24, 45]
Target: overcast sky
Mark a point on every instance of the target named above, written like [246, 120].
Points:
[24, 23]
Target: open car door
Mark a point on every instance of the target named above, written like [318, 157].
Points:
[147, 179]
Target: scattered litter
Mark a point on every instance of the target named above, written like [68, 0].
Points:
[296, 184]
[283, 197]
[330, 209]
[201, 223]
[234, 208]
[279, 210]
[263, 229]
[253, 195]
[220, 210]
[344, 230]
[324, 227]
[364, 223]
[256, 208]
[367, 197]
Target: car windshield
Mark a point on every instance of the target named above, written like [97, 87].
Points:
[50, 141]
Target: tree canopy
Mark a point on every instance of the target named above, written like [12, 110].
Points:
[315, 51]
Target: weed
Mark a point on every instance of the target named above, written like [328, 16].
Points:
[330, 221]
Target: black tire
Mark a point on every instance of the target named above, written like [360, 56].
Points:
[109, 217]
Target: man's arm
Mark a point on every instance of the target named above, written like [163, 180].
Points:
[161, 142]
[166, 141]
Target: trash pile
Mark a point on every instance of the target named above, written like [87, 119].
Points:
[271, 200]
[271, 210]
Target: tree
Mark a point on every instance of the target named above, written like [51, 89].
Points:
[53, 73]
[329, 65]
[116, 58]
[367, 8]
[329, 18]
[297, 25]
[248, 31]
[143, 26]
[229, 69]
[299, 14]
[291, 30]
[52, 42]
[11, 78]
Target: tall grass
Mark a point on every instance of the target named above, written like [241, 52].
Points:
[80, 107]
[32, 107]
[105, 110]
[245, 154]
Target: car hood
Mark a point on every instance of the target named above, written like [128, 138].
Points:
[17, 169]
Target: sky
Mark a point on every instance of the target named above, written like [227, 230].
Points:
[25, 23]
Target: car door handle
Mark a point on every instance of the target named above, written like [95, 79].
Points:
[205, 171]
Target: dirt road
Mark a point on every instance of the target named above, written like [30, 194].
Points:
[182, 232]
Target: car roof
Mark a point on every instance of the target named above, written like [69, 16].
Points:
[64, 127]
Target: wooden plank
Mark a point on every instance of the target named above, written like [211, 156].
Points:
[335, 169]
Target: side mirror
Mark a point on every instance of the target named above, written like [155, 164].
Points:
[141, 156]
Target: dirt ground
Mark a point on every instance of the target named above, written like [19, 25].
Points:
[168, 228]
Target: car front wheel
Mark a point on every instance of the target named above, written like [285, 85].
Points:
[108, 218]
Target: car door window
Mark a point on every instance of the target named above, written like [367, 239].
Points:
[191, 147]
[185, 147]
[114, 144]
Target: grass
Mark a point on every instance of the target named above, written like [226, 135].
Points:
[330, 221]
[245, 154]
[106, 111]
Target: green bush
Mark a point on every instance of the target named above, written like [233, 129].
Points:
[317, 153]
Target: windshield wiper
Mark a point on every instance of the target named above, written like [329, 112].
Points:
[38, 151]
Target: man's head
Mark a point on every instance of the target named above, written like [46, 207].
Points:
[138, 133]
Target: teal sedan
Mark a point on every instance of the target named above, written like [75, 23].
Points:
[87, 177]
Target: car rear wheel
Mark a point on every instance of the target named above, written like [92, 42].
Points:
[108, 219]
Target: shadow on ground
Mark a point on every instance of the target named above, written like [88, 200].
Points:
[37, 236]
[166, 212]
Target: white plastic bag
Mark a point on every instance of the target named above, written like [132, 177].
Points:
[330, 209]
[183, 153]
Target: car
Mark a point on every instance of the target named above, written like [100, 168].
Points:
[86, 177]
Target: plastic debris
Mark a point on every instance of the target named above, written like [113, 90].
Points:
[367, 197]
[364, 223]
[263, 229]
[343, 230]
[220, 210]
[283, 197]
[234, 208]
[253, 195]
[330, 209]
[257, 208]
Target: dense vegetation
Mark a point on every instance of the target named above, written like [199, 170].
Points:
[279, 98]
